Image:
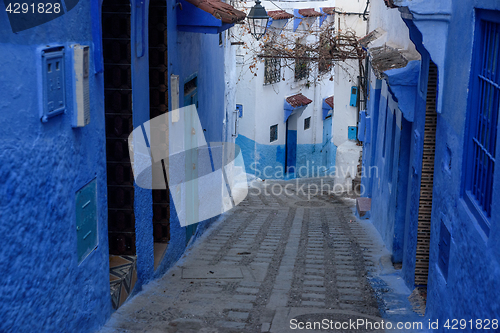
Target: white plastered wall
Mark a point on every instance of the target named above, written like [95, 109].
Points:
[263, 104]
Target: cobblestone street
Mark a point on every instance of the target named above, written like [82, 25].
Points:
[273, 258]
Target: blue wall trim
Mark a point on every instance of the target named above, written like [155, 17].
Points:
[42, 284]
[297, 18]
[268, 161]
[194, 19]
[327, 109]
[403, 84]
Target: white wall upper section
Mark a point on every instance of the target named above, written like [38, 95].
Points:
[346, 73]
[230, 87]
[389, 19]
[263, 105]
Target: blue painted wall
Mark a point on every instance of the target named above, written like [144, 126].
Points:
[474, 268]
[42, 165]
[472, 287]
[143, 203]
[370, 143]
[310, 160]
[201, 55]
[383, 183]
[291, 151]
[395, 200]
[268, 161]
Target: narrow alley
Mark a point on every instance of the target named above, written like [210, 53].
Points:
[286, 253]
[265, 166]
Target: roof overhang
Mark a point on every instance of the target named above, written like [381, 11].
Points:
[295, 103]
[327, 13]
[206, 16]
[304, 18]
[327, 106]
[278, 20]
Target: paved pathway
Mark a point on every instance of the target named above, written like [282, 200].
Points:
[275, 258]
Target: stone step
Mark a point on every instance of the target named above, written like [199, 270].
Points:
[363, 205]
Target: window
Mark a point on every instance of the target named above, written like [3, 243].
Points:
[483, 111]
[307, 123]
[273, 133]
[272, 70]
[325, 63]
[301, 62]
[220, 38]
[301, 69]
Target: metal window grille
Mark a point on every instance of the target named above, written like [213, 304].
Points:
[324, 63]
[483, 121]
[273, 135]
[324, 66]
[272, 70]
[301, 69]
[307, 123]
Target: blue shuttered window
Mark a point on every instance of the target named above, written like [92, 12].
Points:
[483, 118]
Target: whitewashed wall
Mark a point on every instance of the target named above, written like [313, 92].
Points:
[263, 104]
[346, 73]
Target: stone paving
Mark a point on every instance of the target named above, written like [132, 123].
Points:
[274, 258]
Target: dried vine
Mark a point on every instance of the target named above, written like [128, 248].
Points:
[323, 46]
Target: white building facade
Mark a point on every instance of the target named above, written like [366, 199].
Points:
[287, 113]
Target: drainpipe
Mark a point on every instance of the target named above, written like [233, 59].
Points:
[315, 110]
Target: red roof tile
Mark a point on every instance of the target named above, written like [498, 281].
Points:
[329, 101]
[309, 12]
[329, 10]
[373, 35]
[279, 15]
[220, 10]
[298, 100]
[390, 4]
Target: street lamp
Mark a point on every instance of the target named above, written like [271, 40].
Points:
[257, 20]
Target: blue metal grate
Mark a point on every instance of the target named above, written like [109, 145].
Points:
[273, 135]
[484, 111]
[86, 220]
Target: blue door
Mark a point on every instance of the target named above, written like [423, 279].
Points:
[327, 137]
[291, 149]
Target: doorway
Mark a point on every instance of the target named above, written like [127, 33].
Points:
[119, 124]
[291, 145]
[158, 105]
[191, 169]
[427, 180]
[327, 136]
